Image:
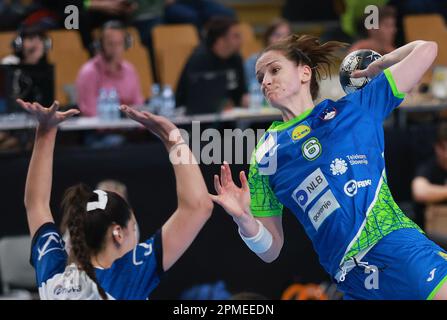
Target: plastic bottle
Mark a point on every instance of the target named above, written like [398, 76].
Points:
[113, 105]
[256, 97]
[102, 104]
[155, 102]
[168, 105]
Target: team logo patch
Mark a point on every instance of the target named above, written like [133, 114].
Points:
[338, 167]
[300, 132]
[328, 114]
[311, 149]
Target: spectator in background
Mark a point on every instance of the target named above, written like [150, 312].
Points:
[277, 30]
[30, 46]
[430, 183]
[197, 12]
[353, 11]
[108, 70]
[218, 53]
[382, 39]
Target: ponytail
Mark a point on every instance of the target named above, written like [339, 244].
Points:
[74, 207]
[307, 50]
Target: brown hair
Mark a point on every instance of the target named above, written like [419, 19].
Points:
[88, 230]
[307, 50]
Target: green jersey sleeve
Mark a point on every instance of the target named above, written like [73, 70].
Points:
[264, 202]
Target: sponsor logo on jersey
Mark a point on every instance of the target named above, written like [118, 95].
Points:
[328, 114]
[432, 275]
[323, 208]
[53, 242]
[301, 131]
[60, 289]
[311, 149]
[352, 186]
[310, 188]
[147, 247]
[338, 167]
[356, 159]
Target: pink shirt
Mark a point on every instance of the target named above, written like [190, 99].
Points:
[94, 75]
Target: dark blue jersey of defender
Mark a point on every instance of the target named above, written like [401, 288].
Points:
[132, 277]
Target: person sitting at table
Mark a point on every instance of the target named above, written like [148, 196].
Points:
[381, 39]
[278, 29]
[108, 70]
[218, 55]
[430, 183]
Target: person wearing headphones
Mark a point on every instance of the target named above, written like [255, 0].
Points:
[108, 70]
[30, 47]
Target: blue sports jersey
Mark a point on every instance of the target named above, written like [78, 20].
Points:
[327, 166]
[132, 277]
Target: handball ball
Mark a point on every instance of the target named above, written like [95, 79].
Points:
[356, 60]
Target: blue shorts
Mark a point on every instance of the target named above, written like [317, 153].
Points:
[410, 267]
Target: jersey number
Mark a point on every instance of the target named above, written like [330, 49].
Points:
[311, 149]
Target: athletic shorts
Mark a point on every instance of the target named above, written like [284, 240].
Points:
[408, 265]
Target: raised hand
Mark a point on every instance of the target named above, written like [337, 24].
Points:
[235, 200]
[371, 71]
[158, 125]
[47, 117]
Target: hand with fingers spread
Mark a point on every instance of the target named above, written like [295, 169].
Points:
[235, 200]
[47, 117]
[158, 125]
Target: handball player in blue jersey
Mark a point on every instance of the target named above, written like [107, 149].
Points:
[105, 260]
[325, 163]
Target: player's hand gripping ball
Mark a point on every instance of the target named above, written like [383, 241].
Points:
[356, 60]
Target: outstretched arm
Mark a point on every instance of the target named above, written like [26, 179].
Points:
[407, 64]
[40, 171]
[236, 201]
[194, 204]
[427, 192]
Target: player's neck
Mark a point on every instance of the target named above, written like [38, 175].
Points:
[295, 106]
[103, 260]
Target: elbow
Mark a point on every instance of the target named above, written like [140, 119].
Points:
[272, 254]
[203, 206]
[430, 49]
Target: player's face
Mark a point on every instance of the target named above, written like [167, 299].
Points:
[280, 78]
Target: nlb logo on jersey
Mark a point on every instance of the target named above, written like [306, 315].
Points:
[310, 188]
[352, 186]
[322, 209]
[301, 131]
